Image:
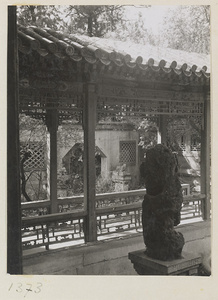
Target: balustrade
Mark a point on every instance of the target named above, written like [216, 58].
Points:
[125, 218]
[192, 207]
[117, 214]
[52, 229]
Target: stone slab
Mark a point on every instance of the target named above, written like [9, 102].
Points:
[186, 265]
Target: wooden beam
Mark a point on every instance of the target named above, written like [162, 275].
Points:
[14, 248]
[205, 158]
[89, 123]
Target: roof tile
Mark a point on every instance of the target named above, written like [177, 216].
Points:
[109, 51]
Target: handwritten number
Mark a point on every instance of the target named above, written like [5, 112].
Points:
[38, 287]
[28, 290]
[19, 290]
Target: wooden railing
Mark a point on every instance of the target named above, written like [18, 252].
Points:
[124, 218]
[68, 204]
[117, 213]
[192, 207]
[52, 229]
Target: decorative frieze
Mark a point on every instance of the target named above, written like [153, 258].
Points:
[113, 101]
[135, 108]
[135, 102]
[36, 103]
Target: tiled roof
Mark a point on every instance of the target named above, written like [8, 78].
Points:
[109, 51]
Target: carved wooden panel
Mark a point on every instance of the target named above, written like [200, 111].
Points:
[36, 103]
[135, 102]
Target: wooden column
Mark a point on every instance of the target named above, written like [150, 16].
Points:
[89, 123]
[48, 162]
[163, 129]
[52, 125]
[205, 158]
[14, 246]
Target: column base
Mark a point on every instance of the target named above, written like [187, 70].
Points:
[187, 265]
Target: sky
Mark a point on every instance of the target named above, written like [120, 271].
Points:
[153, 16]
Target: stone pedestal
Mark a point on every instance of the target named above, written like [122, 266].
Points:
[121, 180]
[187, 265]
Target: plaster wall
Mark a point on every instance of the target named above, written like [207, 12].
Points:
[111, 257]
[109, 142]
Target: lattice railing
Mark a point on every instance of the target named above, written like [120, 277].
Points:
[119, 198]
[52, 229]
[70, 204]
[113, 220]
[35, 208]
[192, 207]
[118, 220]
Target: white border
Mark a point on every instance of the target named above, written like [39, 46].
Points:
[109, 287]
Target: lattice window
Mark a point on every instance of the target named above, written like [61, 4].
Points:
[128, 152]
[37, 160]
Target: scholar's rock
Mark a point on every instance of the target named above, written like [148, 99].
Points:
[162, 204]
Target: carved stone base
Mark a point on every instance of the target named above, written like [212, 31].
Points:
[187, 265]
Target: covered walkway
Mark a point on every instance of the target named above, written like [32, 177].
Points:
[87, 80]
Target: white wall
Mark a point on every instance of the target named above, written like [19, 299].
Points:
[109, 142]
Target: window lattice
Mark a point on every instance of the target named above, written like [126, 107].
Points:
[37, 160]
[128, 152]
